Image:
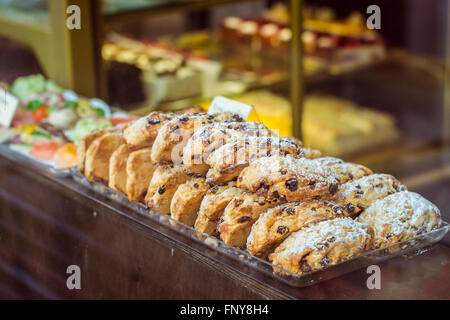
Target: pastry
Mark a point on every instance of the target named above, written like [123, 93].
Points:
[320, 245]
[239, 216]
[118, 168]
[276, 224]
[165, 181]
[400, 216]
[228, 161]
[289, 178]
[143, 132]
[309, 153]
[213, 205]
[344, 171]
[139, 170]
[204, 141]
[360, 193]
[173, 136]
[187, 199]
[83, 145]
[98, 155]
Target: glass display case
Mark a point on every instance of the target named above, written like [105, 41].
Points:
[368, 83]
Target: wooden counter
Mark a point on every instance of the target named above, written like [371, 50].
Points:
[47, 224]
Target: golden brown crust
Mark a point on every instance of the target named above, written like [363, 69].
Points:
[83, 145]
[139, 170]
[98, 155]
[187, 199]
[173, 136]
[229, 160]
[239, 216]
[276, 224]
[213, 205]
[165, 181]
[143, 132]
[85, 142]
[320, 245]
[118, 168]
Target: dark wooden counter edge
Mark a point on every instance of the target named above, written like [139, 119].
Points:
[86, 236]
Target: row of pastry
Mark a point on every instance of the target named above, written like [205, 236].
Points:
[242, 183]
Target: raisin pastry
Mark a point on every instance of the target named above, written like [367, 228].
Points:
[359, 194]
[400, 216]
[98, 155]
[139, 171]
[240, 214]
[187, 199]
[209, 138]
[173, 136]
[83, 145]
[276, 224]
[118, 168]
[143, 131]
[165, 181]
[213, 205]
[309, 153]
[289, 178]
[228, 161]
[322, 244]
[85, 142]
[344, 171]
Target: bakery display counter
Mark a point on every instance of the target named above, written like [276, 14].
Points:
[49, 223]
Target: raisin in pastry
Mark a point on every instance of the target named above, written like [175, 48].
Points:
[239, 216]
[400, 216]
[187, 199]
[360, 193]
[289, 178]
[228, 161]
[139, 173]
[143, 131]
[173, 136]
[322, 244]
[276, 224]
[209, 138]
[165, 181]
[213, 205]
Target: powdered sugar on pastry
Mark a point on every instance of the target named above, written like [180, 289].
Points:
[325, 243]
[401, 216]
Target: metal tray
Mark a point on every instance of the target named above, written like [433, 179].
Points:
[254, 265]
[30, 161]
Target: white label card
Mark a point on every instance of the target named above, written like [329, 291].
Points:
[222, 104]
[8, 106]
